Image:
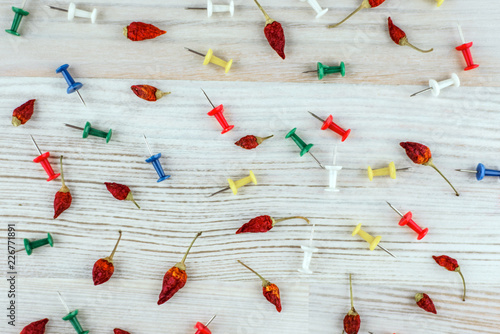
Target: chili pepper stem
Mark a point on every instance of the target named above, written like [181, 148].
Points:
[463, 281]
[130, 197]
[63, 189]
[181, 264]
[268, 19]
[264, 281]
[350, 288]
[364, 4]
[287, 218]
[404, 41]
[110, 258]
[430, 163]
[159, 94]
[260, 139]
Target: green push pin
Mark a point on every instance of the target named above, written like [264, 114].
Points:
[324, 70]
[18, 16]
[71, 317]
[88, 130]
[304, 148]
[30, 245]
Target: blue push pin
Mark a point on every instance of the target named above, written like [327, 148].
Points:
[481, 172]
[72, 85]
[155, 160]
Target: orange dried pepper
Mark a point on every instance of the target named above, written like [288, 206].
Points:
[104, 268]
[139, 31]
[148, 93]
[250, 142]
[23, 113]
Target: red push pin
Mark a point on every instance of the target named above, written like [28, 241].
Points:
[465, 48]
[203, 329]
[218, 113]
[330, 124]
[407, 220]
[43, 160]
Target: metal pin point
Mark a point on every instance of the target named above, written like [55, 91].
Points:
[37, 148]
[57, 8]
[81, 99]
[147, 144]
[209, 321]
[319, 163]
[195, 52]
[207, 98]
[63, 302]
[385, 250]
[399, 213]
[466, 171]
[222, 190]
[420, 92]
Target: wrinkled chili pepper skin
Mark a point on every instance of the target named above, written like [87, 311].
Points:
[352, 322]
[37, 327]
[139, 31]
[173, 281]
[23, 113]
[425, 302]
[418, 153]
[62, 201]
[145, 92]
[272, 294]
[120, 331]
[395, 32]
[102, 271]
[276, 37]
[375, 3]
[248, 142]
[257, 225]
[447, 262]
[119, 191]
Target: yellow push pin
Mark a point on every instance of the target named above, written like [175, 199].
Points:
[439, 2]
[234, 185]
[390, 170]
[373, 241]
[210, 58]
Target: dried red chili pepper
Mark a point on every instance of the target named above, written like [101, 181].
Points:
[452, 265]
[421, 155]
[62, 200]
[399, 37]
[23, 113]
[249, 142]
[352, 320]
[274, 33]
[175, 278]
[139, 31]
[148, 93]
[120, 192]
[37, 327]
[425, 302]
[364, 4]
[263, 224]
[269, 290]
[104, 268]
[120, 331]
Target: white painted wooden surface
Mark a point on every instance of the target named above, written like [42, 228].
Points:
[460, 127]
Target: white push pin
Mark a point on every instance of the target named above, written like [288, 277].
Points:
[73, 11]
[308, 253]
[317, 8]
[211, 8]
[333, 173]
[436, 87]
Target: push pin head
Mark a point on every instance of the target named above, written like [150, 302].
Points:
[234, 185]
[203, 328]
[390, 170]
[30, 245]
[304, 148]
[465, 48]
[330, 124]
[211, 8]
[317, 8]
[71, 317]
[73, 11]
[323, 70]
[439, 2]
[217, 112]
[88, 130]
[43, 160]
[372, 241]
[481, 172]
[155, 160]
[19, 13]
[407, 220]
[308, 253]
[210, 58]
[333, 173]
[435, 87]
[72, 85]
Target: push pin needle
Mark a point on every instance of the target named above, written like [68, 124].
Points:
[37, 148]
[63, 302]
[57, 8]
[209, 321]
[399, 213]
[385, 250]
[196, 52]
[203, 90]
[147, 144]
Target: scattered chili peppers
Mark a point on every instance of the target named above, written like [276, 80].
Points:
[23, 113]
[104, 268]
[37, 327]
[249, 142]
[148, 93]
[62, 200]
[175, 278]
[399, 37]
[269, 290]
[352, 321]
[263, 224]
[120, 331]
[120, 192]
[452, 265]
[364, 4]
[139, 31]
[274, 33]
[421, 155]
[425, 302]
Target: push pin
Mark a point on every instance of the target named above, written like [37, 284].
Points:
[234, 185]
[323, 70]
[390, 170]
[72, 85]
[88, 130]
[155, 160]
[18, 16]
[30, 245]
[73, 11]
[218, 114]
[374, 242]
[436, 87]
[481, 172]
[71, 317]
[43, 160]
[439, 2]
[330, 124]
[304, 148]
[407, 220]
[465, 48]
[211, 8]
[210, 58]
[308, 253]
[333, 173]
[203, 328]
[317, 8]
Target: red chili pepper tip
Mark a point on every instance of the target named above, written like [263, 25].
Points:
[425, 302]
[120, 192]
[364, 4]
[62, 200]
[37, 327]
[452, 265]
[23, 113]
[270, 290]
[263, 224]
[399, 37]
[352, 320]
[104, 268]
[138, 31]
[120, 331]
[274, 33]
[249, 142]
[148, 93]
